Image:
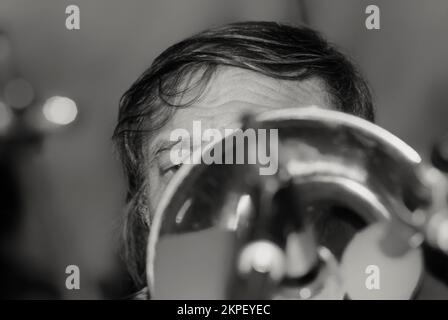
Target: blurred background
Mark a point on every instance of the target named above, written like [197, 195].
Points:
[61, 187]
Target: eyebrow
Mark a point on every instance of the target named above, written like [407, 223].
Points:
[164, 145]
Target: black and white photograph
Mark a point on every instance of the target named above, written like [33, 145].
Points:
[240, 150]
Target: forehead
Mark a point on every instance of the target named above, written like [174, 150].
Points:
[232, 92]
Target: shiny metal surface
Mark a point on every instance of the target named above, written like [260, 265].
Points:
[275, 227]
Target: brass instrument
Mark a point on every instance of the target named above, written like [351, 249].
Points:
[346, 216]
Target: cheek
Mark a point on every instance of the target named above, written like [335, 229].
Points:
[155, 187]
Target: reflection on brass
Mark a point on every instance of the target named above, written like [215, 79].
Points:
[225, 231]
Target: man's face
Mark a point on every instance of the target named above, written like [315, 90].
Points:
[230, 93]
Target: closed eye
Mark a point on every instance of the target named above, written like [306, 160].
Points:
[168, 172]
[172, 168]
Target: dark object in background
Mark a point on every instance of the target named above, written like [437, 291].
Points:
[18, 144]
[439, 156]
[17, 280]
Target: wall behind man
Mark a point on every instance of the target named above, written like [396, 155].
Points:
[73, 187]
[405, 61]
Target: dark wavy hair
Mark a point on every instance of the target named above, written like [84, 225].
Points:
[272, 49]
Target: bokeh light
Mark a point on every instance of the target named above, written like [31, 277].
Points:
[60, 110]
